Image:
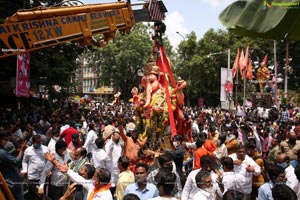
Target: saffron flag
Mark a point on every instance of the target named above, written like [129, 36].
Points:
[265, 61]
[23, 75]
[249, 71]
[241, 63]
[245, 61]
[164, 64]
[236, 63]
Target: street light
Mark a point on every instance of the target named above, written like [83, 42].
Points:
[228, 59]
[228, 97]
[180, 35]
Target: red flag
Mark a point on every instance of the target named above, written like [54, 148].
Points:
[236, 63]
[249, 71]
[241, 63]
[164, 64]
[23, 75]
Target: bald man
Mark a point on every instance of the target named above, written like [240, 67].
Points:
[291, 147]
[283, 161]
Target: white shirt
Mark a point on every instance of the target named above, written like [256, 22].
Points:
[64, 127]
[89, 144]
[241, 169]
[100, 159]
[88, 185]
[51, 145]
[190, 187]
[292, 180]
[233, 181]
[203, 195]
[114, 151]
[57, 178]
[195, 128]
[191, 145]
[298, 190]
[34, 162]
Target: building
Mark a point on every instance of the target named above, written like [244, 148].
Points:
[88, 83]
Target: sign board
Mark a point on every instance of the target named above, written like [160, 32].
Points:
[224, 73]
[228, 86]
[201, 102]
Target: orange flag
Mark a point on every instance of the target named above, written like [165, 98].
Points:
[241, 63]
[249, 71]
[265, 61]
[235, 66]
[245, 61]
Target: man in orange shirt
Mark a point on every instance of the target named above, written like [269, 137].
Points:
[201, 151]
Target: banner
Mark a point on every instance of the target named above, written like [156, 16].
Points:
[224, 73]
[23, 75]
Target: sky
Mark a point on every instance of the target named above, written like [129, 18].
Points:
[185, 16]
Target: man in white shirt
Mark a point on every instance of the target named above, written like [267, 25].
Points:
[245, 166]
[89, 144]
[231, 180]
[191, 188]
[204, 183]
[58, 180]
[99, 156]
[64, 126]
[114, 151]
[195, 127]
[297, 173]
[55, 136]
[98, 187]
[33, 163]
[282, 160]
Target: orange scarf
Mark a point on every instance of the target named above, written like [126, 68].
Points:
[94, 192]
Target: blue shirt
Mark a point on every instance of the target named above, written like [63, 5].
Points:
[265, 191]
[8, 168]
[150, 191]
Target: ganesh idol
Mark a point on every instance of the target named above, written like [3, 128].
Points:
[151, 109]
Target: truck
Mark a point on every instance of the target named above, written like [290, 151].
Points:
[42, 27]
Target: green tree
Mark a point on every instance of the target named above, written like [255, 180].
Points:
[121, 62]
[56, 66]
[203, 71]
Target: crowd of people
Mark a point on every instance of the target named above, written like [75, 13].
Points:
[65, 151]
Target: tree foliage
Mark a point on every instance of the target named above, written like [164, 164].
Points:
[121, 62]
[203, 71]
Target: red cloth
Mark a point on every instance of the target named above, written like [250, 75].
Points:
[209, 145]
[67, 134]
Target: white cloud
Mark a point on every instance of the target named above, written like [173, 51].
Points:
[175, 23]
[216, 3]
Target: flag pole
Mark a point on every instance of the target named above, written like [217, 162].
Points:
[244, 96]
[276, 74]
[236, 88]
